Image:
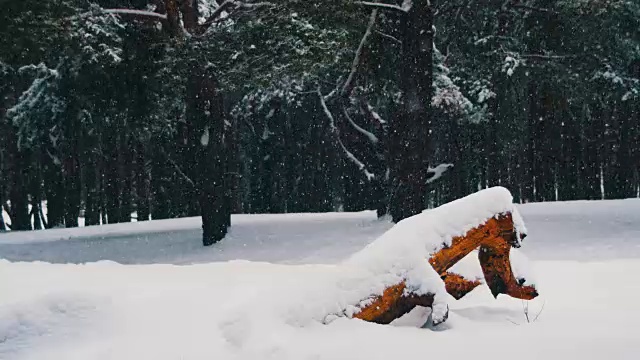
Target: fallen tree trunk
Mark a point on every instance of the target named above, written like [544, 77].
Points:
[494, 238]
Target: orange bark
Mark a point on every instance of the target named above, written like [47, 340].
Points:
[461, 246]
[457, 286]
[495, 239]
[392, 304]
[494, 259]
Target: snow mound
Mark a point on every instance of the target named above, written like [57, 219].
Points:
[257, 310]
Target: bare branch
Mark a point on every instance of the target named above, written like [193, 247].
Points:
[349, 83]
[539, 312]
[180, 171]
[513, 322]
[525, 308]
[382, 6]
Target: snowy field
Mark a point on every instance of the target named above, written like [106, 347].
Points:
[115, 292]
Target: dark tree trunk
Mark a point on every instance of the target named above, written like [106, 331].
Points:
[91, 176]
[410, 136]
[71, 180]
[173, 17]
[111, 178]
[72, 187]
[143, 183]
[206, 120]
[36, 190]
[232, 165]
[568, 176]
[18, 194]
[591, 154]
[160, 180]
[125, 180]
[54, 192]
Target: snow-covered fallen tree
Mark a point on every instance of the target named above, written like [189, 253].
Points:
[409, 263]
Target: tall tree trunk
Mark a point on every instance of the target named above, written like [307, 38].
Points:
[36, 190]
[143, 183]
[72, 187]
[92, 180]
[71, 167]
[125, 182]
[590, 165]
[232, 166]
[159, 186]
[410, 130]
[18, 193]
[54, 192]
[206, 120]
[111, 178]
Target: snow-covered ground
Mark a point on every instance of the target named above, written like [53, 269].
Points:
[245, 297]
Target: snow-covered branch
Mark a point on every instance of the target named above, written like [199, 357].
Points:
[372, 138]
[382, 6]
[332, 122]
[374, 115]
[334, 129]
[349, 83]
[141, 13]
[390, 37]
[437, 171]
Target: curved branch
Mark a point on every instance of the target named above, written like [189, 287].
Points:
[347, 88]
[334, 129]
[372, 138]
[390, 37]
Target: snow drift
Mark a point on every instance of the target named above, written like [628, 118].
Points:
[257, 310]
